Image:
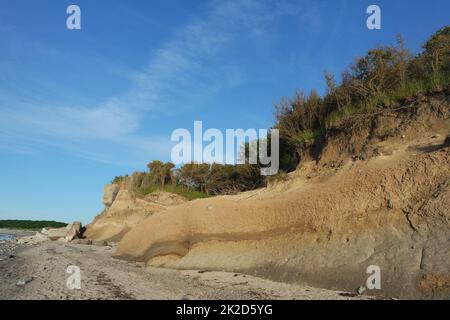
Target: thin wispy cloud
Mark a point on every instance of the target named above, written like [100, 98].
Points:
[175, 79]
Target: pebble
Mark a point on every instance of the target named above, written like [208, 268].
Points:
[361, 290]
[25, 281]
[7, 249]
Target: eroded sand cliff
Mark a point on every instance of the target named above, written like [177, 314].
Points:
[124, 209]
[371, 198]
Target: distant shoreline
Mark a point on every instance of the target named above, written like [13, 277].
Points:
[32, 225]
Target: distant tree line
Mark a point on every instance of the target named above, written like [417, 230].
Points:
[30, 225]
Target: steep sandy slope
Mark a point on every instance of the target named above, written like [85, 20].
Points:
[325, 233]
[124, 209]
[332, 220]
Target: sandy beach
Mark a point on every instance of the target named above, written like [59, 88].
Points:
[103, 277]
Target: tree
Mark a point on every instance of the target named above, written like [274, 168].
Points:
[160, 172]
[437, 53]
[194, 175]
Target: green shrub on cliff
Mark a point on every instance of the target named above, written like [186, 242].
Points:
[195, 181]
[384, 77]
[188, 193]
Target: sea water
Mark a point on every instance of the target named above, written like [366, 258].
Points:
[4, 237]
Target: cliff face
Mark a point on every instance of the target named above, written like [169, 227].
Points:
[371, 199]
[124, 209]
[323, 233]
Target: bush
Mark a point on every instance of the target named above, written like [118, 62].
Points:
[382, 78]
[436, 57]
[195, 181]
[215, 179]
[160, 172]
[118, 180]
[185, 192]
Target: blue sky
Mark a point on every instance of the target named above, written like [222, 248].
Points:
[80, 107]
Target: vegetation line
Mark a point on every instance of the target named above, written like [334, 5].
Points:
[385, 79]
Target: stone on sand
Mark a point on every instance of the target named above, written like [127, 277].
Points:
[67, 233]
[25, 281]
